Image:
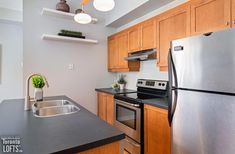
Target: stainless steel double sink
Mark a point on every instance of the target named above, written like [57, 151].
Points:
[53, 108]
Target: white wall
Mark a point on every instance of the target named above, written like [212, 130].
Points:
[52, 58]
[148, 70]
[11, 11]
[8, 15]
[121, 8]
[11, 56]
[12, 4]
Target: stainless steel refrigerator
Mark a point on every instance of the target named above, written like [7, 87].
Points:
[202, 94]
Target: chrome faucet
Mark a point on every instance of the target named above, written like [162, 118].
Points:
[27, 103]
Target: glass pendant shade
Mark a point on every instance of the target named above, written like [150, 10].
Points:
[104, 5]
[82, 18]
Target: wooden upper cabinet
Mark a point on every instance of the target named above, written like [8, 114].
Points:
[112, 53]
[157, 134]
[233, 13]
[122, 47]
[172, 25]
[134, 39]
[148, 34]
[210, 15]
[142, 36]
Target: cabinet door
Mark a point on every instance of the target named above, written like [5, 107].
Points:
[122, 47]
[148, 34]
[110, 109]
[156, 131]
[102, 105]
[233, 13]
[210, 15]
[174, 24]
[134, 39]
[112, 53]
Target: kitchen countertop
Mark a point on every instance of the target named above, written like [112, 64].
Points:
[61, 134]
[157, 102]
[113, 92]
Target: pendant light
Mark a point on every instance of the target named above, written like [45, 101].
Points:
[104, 5]
[82, 18]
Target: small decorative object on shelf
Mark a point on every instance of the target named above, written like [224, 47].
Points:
[70, 33]
[38, 83]
[122, 81]
[115, 86]
[62, 6]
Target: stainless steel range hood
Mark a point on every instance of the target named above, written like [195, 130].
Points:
[142, 55]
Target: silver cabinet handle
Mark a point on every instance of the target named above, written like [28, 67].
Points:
[233, 21]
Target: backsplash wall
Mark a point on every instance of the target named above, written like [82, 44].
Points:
[148, 70]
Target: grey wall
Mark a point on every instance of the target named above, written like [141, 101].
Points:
[52, 58]
[11, 56]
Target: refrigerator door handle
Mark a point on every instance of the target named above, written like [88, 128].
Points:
[172, 77]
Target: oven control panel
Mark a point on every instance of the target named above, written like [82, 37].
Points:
[155, 84]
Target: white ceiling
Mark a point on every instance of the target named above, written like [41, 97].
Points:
[12, 4]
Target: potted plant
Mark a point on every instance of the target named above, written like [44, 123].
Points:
[38, 83]
[122, 81]
[115, 86]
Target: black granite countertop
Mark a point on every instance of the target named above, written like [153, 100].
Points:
[61, 134]
[157, 102]
[113, 92]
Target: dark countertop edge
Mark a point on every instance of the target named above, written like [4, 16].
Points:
[113, 92]
[90, 146]
[84, 147]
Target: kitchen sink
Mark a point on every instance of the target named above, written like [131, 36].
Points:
[51, 103]
[54, 108]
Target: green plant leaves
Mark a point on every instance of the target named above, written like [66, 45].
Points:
[38, 81]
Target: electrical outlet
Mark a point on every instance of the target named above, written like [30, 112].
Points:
[71, 66]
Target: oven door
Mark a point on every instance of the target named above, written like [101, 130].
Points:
[128, 119]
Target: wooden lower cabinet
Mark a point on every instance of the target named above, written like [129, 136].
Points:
[157, 137]
[112, 148]
[106, 107]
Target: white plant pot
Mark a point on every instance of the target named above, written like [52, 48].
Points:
[122, 86]
[38, 94]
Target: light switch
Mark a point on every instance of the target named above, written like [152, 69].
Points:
[71, 66]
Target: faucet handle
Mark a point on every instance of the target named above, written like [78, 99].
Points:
[46, 82]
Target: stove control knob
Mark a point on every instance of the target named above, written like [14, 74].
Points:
[163, 84]
[160, 84]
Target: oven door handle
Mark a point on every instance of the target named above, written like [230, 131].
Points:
[128, 104]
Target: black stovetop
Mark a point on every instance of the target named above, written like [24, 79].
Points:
[138, 97]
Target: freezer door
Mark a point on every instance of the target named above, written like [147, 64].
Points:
[206, 62]
[203, 123]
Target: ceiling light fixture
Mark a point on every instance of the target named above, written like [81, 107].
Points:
[81, 17]
[104, 5]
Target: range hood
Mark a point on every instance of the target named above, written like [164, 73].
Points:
[142, 55]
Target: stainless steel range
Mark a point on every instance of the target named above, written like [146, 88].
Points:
[129, 112]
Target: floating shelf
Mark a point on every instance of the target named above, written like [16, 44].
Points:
[64, 15]
[67, 39]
